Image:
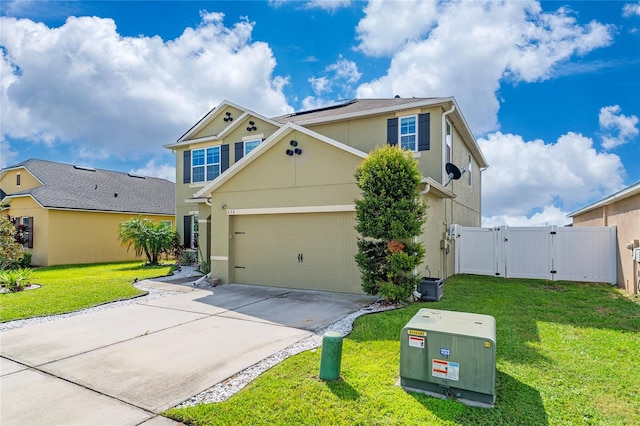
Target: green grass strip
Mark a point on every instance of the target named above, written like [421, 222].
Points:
[69, 288]
[567, 354]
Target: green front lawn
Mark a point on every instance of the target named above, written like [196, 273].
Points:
[567, 354]
[72, 287]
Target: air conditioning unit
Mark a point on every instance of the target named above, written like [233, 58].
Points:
[450, 354]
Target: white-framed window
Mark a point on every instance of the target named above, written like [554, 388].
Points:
[447, 140]
[166, 223]
[250, 145]
[408, 132]
[18, 179]
[205, 164]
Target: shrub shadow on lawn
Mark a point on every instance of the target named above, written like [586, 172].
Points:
[523, 407]
[519, 305]
[343, 390]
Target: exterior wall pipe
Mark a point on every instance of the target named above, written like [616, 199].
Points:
[443, 130]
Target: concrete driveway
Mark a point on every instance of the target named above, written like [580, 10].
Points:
[122, 366]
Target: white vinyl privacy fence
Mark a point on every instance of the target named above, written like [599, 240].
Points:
[553, 253]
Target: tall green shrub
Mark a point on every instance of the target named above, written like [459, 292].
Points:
[10, 251]
[388, 217]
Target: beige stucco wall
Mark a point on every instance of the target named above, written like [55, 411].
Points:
[70, 237]
[277, 180]
[89, 237]
[366, 133]
[625, 215]
[27, 207]
[238, 134]
[9, 180]
[273, 182]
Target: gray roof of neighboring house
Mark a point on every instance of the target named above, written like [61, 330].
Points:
[354, 106]
[627, 192]
[66, 186]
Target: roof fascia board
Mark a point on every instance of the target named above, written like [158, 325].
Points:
[435, 188]
[376, 111]
[470, 140]
[266, 145]
[11, 197]
[620, 195]
[225, 131]
[207, 119]
[20, 167]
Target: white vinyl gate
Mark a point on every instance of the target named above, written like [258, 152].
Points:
[551, 253]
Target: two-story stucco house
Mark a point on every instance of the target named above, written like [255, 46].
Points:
[73, 212]
[270, 201]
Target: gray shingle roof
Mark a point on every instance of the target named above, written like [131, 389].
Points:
[81, 188]
[353, 106]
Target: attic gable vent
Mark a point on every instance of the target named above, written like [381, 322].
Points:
[135, 176]
[86, 168]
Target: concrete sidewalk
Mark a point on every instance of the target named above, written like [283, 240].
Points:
[124, 365]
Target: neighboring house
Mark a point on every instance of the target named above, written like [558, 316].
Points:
[621, 209]
[270, 201]
[73, 212]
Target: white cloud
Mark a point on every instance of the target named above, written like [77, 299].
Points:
[163, 171]
[631, 9]
[525, 175]
[617, 128]
[387, 25]
[328, 5]
[86, 84]
[338, 77]
[7, 155]
[550, 215]
[468, 48]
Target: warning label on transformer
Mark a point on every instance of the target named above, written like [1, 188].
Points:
[445, 369]
[416, 342]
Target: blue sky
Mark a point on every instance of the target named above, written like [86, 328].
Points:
[550, 89]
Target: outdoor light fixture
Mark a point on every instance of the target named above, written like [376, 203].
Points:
[293, 143]
[228, 116]
[289, 152]
[298, 151]
[251, 123]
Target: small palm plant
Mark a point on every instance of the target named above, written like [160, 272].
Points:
[15, 279]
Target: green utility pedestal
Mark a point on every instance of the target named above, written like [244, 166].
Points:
[331, 356]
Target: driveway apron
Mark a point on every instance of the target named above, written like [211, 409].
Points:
[122, 366]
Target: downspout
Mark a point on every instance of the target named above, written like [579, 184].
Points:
[443, 130]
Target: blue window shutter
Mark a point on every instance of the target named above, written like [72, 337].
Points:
[424, 132]
[187, 232]
[224, 157]
[186, 167]
[239, 150]
[392, 131]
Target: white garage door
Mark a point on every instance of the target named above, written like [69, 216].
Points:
[306, 250]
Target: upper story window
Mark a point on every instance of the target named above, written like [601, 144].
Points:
[18, 179]
[408, 133]
[250, 145]
[447, 140]
[205, 164]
